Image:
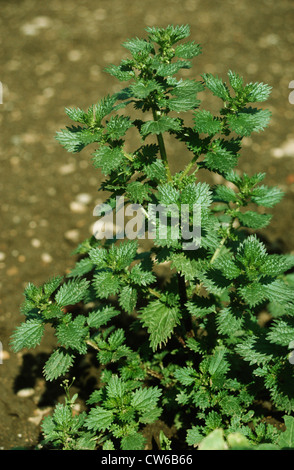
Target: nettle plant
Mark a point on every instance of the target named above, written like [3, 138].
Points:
[188, 350]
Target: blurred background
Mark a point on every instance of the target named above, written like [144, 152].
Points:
[53, 55]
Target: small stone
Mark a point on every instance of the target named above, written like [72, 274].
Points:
[25, 392]
[72, 235]
[84, 198]
[67, 169]
[77, 207]
[46, 258]
[35, 243]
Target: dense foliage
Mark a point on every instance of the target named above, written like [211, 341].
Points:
[190, 349]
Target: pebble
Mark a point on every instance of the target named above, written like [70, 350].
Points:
[46, 258]
[67, 169]
[35, 243]
[286, 150]
[84, 198]
[77, 207]
[25, 392]
[72, 235]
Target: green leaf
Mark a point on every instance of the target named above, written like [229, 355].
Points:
[229, 322]
[248, 121]
[82, 267]
[160, 321]
[99, 419]
[105, 284]
[205, 123]
[140, 277]
[138, 192]
[254, 220]
[167, 194]
[281, 332]
[214, 441]
[286, 438]
[28, 335]
[171, 34]
[265, 196]
[257, 92]
[118, 126]
[186, 375]
[72, 292]
[144, 399]
[134, 441]
[74, 139]
[128, 299]
[58, 364]
[216, 85]
[255, 350]
[219, 158]
[73, 334]
[100, 317]
[108, 158]
[51, 285]
[138, 45]
[188, 50]
[163, 124]
[217, 361]
[194, 436]
[142, 89]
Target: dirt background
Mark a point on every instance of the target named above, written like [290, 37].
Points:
[53, 55]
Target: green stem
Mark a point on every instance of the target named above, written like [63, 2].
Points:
[188, 167]
[156, 116]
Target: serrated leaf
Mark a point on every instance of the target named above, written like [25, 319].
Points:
[216, 85]
[99, 419]
[134, 441]
[72, 292]
[188, 50]
[105, 284]
[117, 127]
[138, 45]
[206, 123]
[51, 285]
[82, 267]
[144, 399]
[73, 334]
[138, 192]
[163, 124]
[74, 139]
[100, 317]
[186, 375]
[281, 332]
[229, 322]
[254, 220]
[140, 277]
[265, 196]
[108, 158]
[248, 121]
[142, 89]
[27, 335]
[128, 299]
[257, 92]
[160, 321]
[58, 364]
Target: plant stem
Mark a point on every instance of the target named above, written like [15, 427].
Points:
[156, 116]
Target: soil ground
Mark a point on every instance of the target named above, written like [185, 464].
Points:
[52, 56]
